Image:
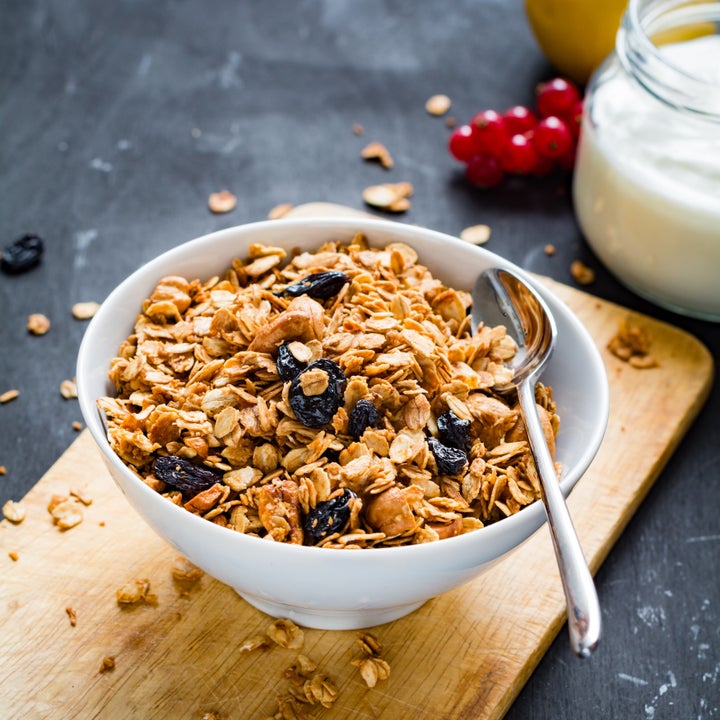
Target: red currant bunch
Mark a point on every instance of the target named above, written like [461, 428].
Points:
[521, 141]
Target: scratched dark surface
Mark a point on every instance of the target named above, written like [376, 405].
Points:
[118, 119]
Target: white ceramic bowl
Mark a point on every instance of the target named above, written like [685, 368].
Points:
[341, 589]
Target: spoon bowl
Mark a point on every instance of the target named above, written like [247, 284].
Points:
[501, 297]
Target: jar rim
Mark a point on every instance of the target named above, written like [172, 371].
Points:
[644, 60]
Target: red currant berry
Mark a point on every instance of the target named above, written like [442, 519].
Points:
[519, 119]
[545, 166]
[574, 118]
[489, 132]
[484, 170]
[552, 137]
[567, 161]
[519, 156]
[556, 97]
[462, 144]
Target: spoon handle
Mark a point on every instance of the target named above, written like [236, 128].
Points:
[584, 622]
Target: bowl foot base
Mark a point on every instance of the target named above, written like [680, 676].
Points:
[331, 619]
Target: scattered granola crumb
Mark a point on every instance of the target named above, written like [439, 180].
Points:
[280, 211]
[256, 642]
[372, 669]
[185, 575]
[377, 151]
[38, 324]
[85, 310]
[476, 234]
[66, 513]
[286, 633]
[549, 249]
[582, 274]
[3, 470]
[9, 395]
[358, 129]
[13, 555]
[389, 196]
[81, 494]
[631, 344]
[222, 202]
[450, 122]
[438, 104]
[135, 592]
[14, 511]
[101, 523]
[72, 615]
[68, 389]
[77, 426]
[107, 664]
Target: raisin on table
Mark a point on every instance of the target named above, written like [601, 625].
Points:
[327, 517]
[22, 255]
[184, 475]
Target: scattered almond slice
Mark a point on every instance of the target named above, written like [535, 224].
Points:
[9, 395]
[582, 274]
[222, 202]
[14, 511]
[377, 151]
[85, 310]
[476, 234]
[68, 389]
[438, 104]
[389, 196]
[280, 211]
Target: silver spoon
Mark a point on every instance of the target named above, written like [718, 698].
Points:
[502, 298]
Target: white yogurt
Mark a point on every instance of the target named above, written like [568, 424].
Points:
[647, 187]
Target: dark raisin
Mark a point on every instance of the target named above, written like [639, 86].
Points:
[327, 517]
[321, 286]
[449, 460]
[362, 416]
[288, 366]
[453, 431]
[318, 410]
[22, 255]
[184, 475]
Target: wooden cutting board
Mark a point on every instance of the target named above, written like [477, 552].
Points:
[464, 655]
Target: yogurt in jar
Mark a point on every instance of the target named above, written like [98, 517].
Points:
[647, 186]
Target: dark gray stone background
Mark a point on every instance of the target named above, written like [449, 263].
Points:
[98, 102]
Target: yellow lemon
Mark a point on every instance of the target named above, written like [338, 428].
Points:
[575, 35]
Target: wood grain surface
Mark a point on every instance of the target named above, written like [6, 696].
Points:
[464, 655]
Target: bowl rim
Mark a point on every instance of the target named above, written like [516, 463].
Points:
[533, 515]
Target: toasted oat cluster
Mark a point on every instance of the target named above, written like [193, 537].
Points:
[334, 398]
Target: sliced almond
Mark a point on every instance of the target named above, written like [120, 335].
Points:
[377, 151]
[280, 211]
[389, 196]
[222, 202]
[85, 310]
[9, 395]
[476, 234]
[438, 104]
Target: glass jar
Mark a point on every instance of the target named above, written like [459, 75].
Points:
[647, 178]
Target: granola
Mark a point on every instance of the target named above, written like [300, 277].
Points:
[335, 397]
